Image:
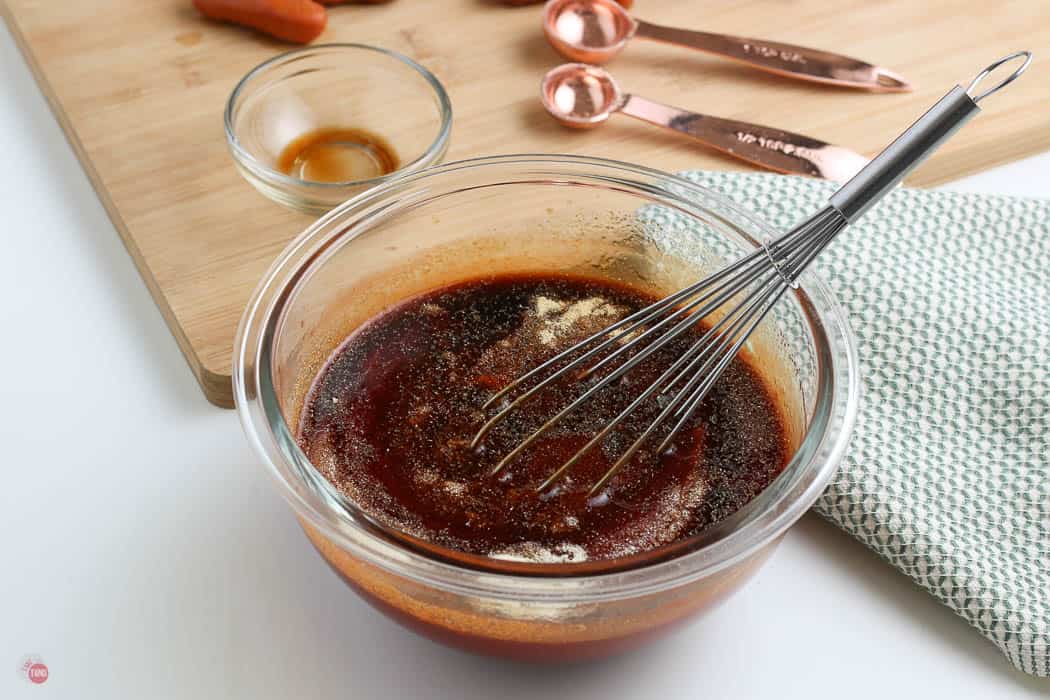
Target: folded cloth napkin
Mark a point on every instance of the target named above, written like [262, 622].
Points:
[948, 473]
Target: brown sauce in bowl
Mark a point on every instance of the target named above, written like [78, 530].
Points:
[389, 420]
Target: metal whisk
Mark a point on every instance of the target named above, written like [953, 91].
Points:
[762, 277]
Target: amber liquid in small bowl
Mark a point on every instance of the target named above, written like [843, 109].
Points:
[337, 154]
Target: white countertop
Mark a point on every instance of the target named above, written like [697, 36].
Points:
[146, 554]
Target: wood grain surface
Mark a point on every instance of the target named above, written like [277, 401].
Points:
[139, 88]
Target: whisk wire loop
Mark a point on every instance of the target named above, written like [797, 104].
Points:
[1027, 55]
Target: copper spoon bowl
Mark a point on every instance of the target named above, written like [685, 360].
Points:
[582, 97]
[594, 31]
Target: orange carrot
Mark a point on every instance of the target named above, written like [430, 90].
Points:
[298, 21]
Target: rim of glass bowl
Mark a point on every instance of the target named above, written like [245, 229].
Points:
[314, 500]
[432, 153]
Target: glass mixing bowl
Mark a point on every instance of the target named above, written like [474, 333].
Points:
[533, 214]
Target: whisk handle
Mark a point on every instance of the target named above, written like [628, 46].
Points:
[920, 140]
[902, 156]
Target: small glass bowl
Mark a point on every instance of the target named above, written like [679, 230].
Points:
[530, 214]
[341, 86]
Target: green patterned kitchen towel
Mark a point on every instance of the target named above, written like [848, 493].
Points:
[948, 473]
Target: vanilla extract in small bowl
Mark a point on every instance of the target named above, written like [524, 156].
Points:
[314, 127]
[336, 154]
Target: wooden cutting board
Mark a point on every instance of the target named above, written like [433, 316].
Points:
[139, 87]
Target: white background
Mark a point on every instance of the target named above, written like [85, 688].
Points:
[146, 555]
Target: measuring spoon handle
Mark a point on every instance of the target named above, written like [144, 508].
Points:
[783, 59]
[771, 148]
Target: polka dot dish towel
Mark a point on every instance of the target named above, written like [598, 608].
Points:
[948, 473]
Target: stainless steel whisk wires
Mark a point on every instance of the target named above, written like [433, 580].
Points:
[702, 362]
[761, 278]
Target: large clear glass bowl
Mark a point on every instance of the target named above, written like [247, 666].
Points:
[533, 213]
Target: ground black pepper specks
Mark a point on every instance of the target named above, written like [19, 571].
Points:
[390, 418]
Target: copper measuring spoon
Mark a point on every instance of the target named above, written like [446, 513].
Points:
[594, 31]
[582, 97]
